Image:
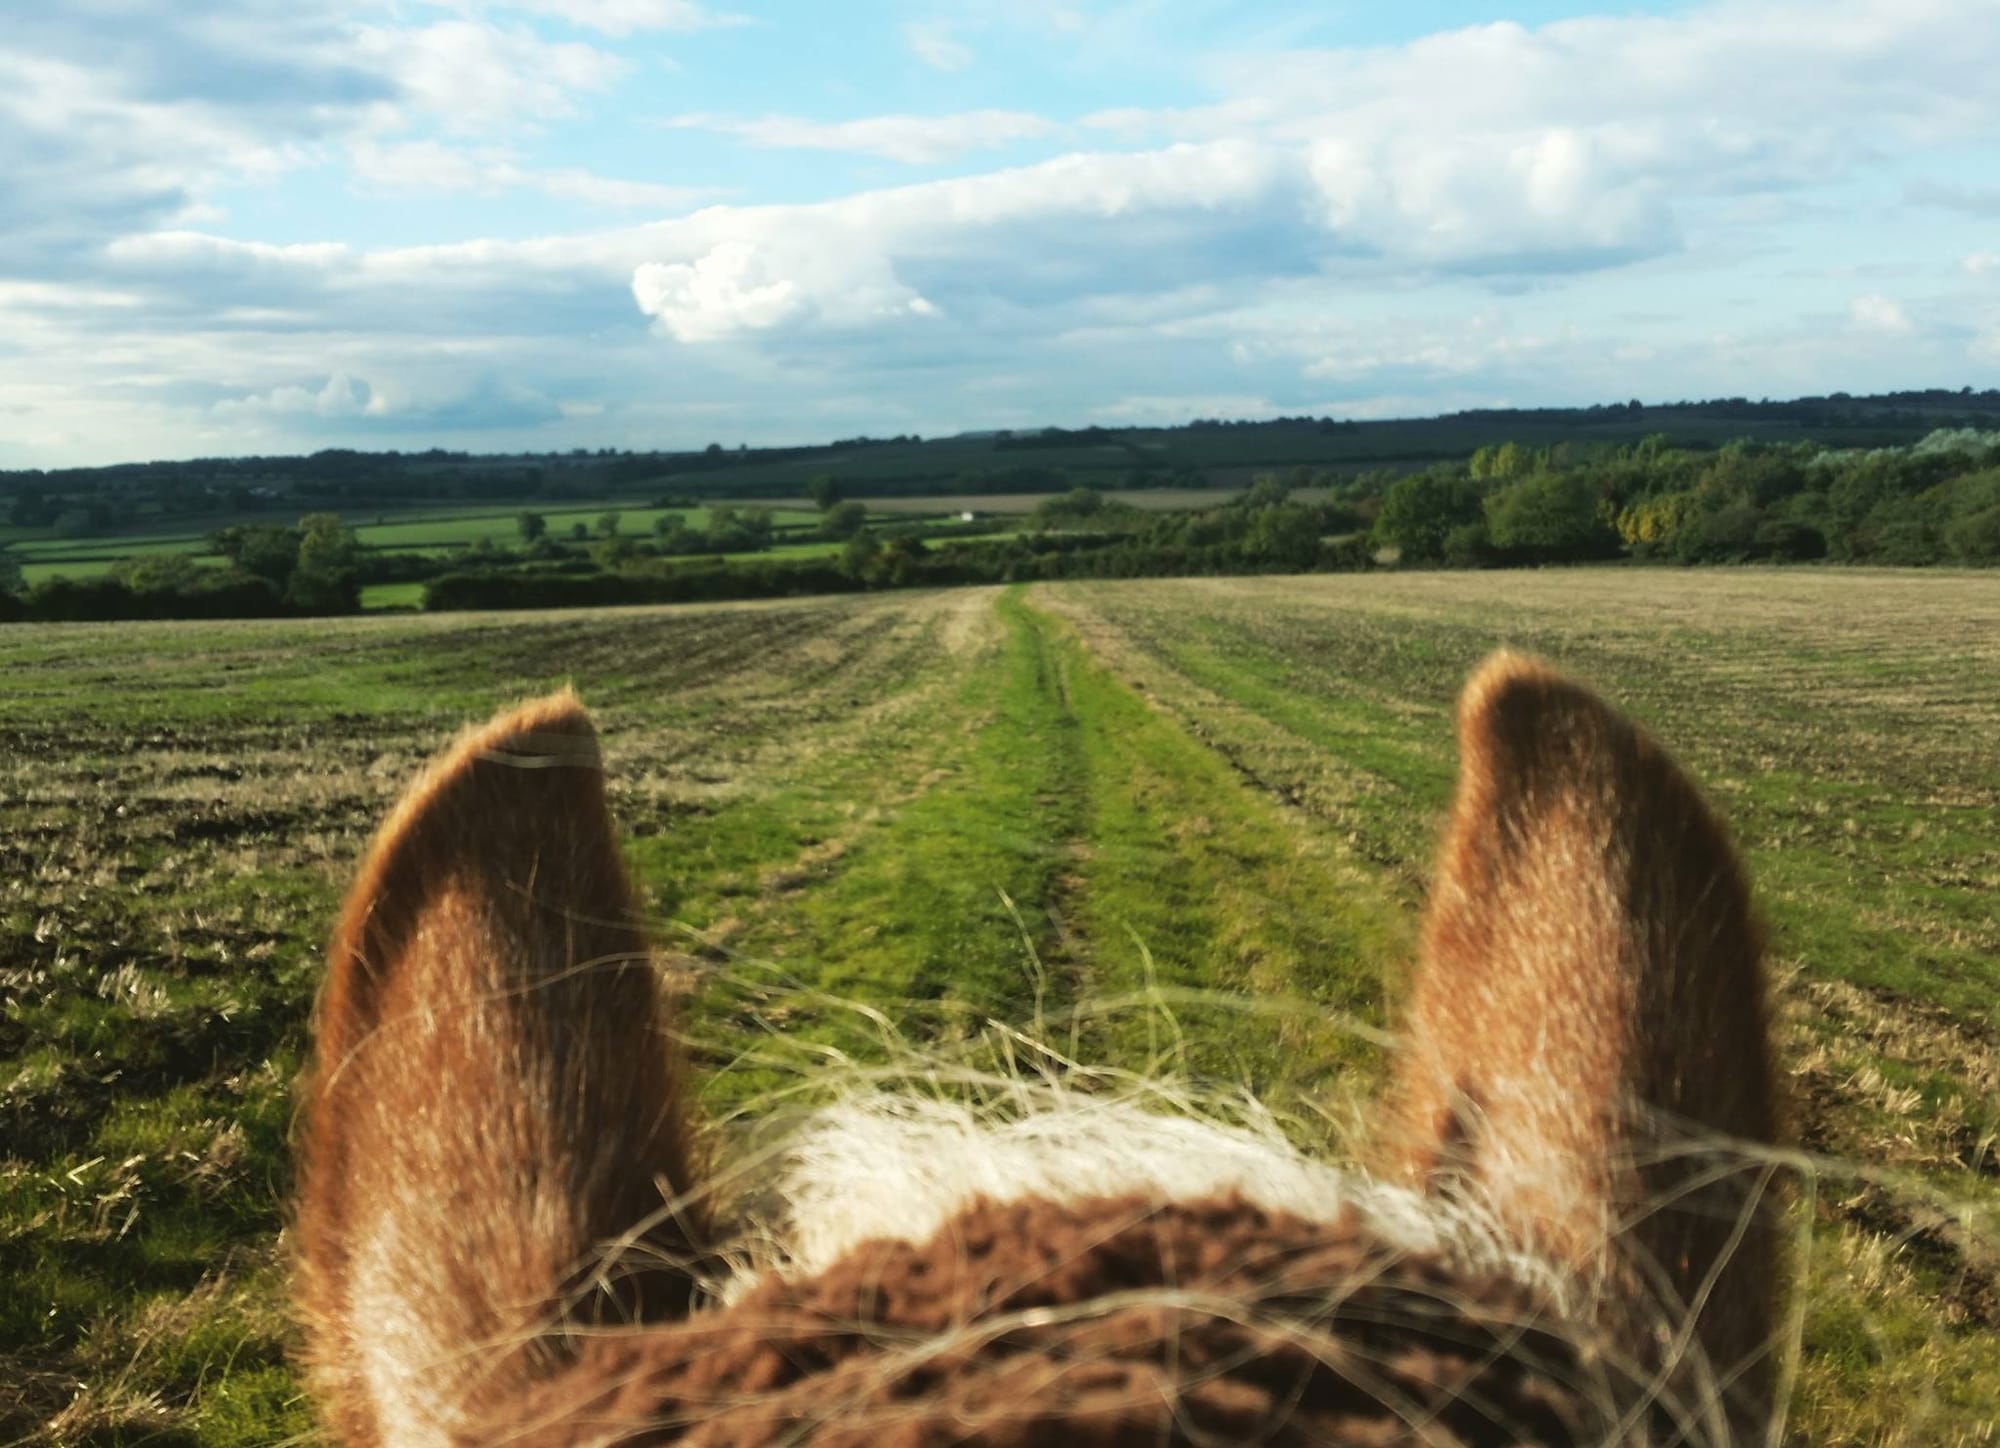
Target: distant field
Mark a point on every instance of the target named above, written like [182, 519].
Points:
[443, 534]
[434, 532]
[1152, 499]
[1055, 808]
[392, 595]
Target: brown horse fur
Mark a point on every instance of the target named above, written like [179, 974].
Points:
[504, 1230]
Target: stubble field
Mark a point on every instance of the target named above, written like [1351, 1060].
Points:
[1174, 827]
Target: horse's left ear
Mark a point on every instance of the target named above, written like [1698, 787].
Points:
[1586, 1046]
[495, 1096]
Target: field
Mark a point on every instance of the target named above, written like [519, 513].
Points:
[1169, 825]
[434, 531]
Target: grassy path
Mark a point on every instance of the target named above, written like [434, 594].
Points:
[1057, 857]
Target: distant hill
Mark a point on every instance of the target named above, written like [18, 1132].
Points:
[1205, 453]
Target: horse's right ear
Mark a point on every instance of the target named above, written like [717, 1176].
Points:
[1586, 1048]
[495, 1094]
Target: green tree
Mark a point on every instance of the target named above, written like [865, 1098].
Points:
[1467, 546]
[1266, 492]
[326, 545]
[859, 555]
[531, 526]
[1419, 511]
[823, 491]
[159, 573]
[612, 551]
[1551, 516]
[1972, 538]
[314, 591]
[323, 579]
[607, 524]
[672, 534]
[32, 507]
[1727, 534]
[1075, 506]
[1286, 533]
[844, 520]
[260, 550]
[10, 572]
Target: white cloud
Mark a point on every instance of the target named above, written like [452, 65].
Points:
[1167, 411]
[936, 45]
[741, 286]
[431, 166]
[1877, 313]
[188, 253]
[104, 139]
[476, 78]
[918, 140]
[340, 396]
[624, 17]
[1328, 222]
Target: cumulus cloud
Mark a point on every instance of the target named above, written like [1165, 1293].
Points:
[86, 160]
[1982, 263]
[476, 77]
[741, 286]
[107, 139]
[1877, 313]
[1059, 230]
[340, 396]
[917, 140]
[1495, 151]
[343, 403]
[1234, 250]
[1559, 199]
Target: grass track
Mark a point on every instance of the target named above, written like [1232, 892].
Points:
[1184, 823]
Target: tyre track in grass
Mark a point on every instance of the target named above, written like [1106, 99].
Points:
[1350, 757]
[1078, 868]
[1081, 872]
[1260, 938]
[931, 911]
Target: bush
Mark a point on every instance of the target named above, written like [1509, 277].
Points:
[1790, 542]
[1975, 538]
[1468, 546]
[1549, 518]
[97, 600]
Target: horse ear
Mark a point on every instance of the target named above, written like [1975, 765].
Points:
[1586, 1051]
[496, 1095]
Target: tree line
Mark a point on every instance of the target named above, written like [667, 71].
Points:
[1936, 501]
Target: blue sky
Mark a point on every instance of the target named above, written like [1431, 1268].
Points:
[232, 226]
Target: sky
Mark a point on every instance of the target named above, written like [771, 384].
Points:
[265, 226]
